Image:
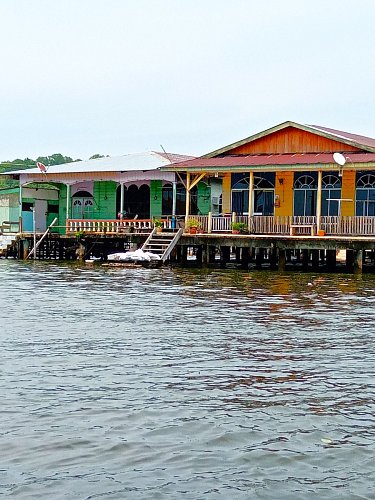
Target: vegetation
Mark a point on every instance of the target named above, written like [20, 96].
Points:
[241, 227]
[158, 223]
[193, 223]
[19, 164]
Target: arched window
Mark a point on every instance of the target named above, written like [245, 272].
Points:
[365, 194]
[264, 194]
[82, 205]
[305, 187]
[136, 201]
[331, 194]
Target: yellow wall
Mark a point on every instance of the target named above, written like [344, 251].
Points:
[348, 192]
[284, 189]
[226, 198]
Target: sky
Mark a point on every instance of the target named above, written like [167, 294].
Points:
[80, 77]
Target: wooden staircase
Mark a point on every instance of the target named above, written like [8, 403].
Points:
[162, 243]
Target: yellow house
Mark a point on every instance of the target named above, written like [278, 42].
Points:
[291, 175]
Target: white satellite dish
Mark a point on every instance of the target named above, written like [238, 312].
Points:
[339, 159]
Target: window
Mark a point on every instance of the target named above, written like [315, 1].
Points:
[331, 194]
[305, 187]
[365, 194]
[264, 193]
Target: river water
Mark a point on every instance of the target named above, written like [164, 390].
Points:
[158, 383]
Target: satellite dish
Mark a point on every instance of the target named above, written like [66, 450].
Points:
[41, 167]
[339, 159]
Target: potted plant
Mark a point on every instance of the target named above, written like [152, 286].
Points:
[239, 228]
[193, 225]
[158, 225]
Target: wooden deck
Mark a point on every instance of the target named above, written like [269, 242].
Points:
[256, 225]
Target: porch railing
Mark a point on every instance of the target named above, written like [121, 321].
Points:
[112, 226]
[340, 226]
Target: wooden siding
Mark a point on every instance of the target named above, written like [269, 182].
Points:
[226, 197]
[62, 208]
[291, 140]
[348, 192]
[105, 200]
[156, 198]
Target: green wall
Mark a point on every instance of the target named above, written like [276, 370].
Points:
[156, 198]
[204, 198]
[62, 208]
[105, 200]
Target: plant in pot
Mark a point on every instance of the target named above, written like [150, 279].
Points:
[193, 225]
[158, 225]
[239, 228]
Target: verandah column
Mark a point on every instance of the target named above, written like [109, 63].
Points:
[68, 201]
[187, 207]
[20, 209]
[122, 190]
[251, 190]
[319, 200]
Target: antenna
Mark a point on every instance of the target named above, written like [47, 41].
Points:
[166, 154]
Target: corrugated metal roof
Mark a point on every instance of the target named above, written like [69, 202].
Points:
[149, 160]
[340, 134]
[358, 141]
[270, 160]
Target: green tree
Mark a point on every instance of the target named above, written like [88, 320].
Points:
[97, 155]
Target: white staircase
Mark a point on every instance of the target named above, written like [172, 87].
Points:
[162, 243]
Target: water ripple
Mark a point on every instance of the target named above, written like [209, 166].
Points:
[142, 383]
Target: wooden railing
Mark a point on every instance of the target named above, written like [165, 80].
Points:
[260, 224]
[344, 226]
[110, 226]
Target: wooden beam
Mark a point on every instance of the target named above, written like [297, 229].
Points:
[198, 178]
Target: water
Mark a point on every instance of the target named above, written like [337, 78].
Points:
[136, 383]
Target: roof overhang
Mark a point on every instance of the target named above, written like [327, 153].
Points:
[307, 128]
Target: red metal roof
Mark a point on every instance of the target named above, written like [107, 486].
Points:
[360, 139]
[272, 160]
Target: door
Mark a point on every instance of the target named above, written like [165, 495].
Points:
[82, 207]
[40, 208]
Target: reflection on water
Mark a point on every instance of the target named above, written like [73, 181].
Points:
[136, 383]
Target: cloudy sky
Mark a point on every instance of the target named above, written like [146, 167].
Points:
[80, 77]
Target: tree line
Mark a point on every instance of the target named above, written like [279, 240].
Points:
[19, 164]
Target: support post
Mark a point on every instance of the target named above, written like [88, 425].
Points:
[319, 200]
[174, 204]
[184, 251]
[358, 261]
[315, 259]
[331, 260]
[187, 205]
[282, 260]
[251, 203]
[68, 201]
[122, 191]
[20, 207]
[209, 223]
[273, 256]
[259, 257]
[245, 256]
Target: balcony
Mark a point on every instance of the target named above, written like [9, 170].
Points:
[258, 225]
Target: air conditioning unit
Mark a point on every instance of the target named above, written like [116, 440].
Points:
[215, 200]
